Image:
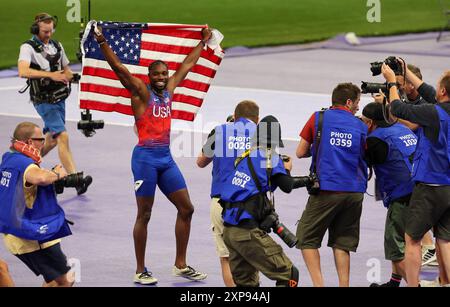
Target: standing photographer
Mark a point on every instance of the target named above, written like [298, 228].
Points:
[225, 143]
[430, 201]
[413, 89]
[30, 216]
[249, 214]
[390, 148]
[342, 172]
[44, 63]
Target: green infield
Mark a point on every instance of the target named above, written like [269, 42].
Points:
[243, 22]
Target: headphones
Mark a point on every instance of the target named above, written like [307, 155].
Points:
[34, 29]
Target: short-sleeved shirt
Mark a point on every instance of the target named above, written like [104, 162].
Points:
[28, 54]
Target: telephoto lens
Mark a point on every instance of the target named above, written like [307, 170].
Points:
[285, 234]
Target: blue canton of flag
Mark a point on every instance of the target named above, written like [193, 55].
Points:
[124, 39]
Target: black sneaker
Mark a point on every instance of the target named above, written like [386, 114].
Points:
[84, 186]
[385, 285]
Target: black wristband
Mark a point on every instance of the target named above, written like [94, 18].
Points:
[391, 84]
[56, 174]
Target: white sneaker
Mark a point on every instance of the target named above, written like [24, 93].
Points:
[430, 283]
[145, 278]
[189, 273]
[429, 257]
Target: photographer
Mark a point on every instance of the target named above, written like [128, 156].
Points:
[342, 172]
[390, 148]
[429, 206]
[225, 143]
[44, 63]
[31, 219]
[249, 214]
[412, 87]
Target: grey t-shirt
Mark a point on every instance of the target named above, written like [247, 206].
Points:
[28, 54]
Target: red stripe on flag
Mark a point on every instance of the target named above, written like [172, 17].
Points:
[109, 74]
[105, 107]
[153, 46]
[198, 86]
[178, 114]
[106, 90]
[199, 69]
[187, 99]
[175, 33]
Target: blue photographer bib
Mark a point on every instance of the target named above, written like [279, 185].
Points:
[394, 175]
[231, 141]
[432, 159]
[340, 162]
[45, 221]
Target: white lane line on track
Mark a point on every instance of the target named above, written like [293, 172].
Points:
[10, 88]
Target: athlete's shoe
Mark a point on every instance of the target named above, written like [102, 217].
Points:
[189, 273]
[429, 257]
[388, 284]
[430, 283]
[145, 278]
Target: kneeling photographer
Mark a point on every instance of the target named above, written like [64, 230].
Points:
[31, 219]
[249, 214]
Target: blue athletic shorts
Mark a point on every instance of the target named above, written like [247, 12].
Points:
[53, 115]
[155, 166]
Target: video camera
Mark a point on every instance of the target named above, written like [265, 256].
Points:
[271, 221]
[70, 181]
[87, 125]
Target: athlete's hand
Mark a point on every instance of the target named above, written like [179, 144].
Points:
[206, 34]
[98, 34]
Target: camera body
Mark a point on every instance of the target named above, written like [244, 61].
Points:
[271, 222]
[285, 158]
[88, 126]
[230, 118]
[391, 61]
[314, 187]
[70, 181]
[76, 78]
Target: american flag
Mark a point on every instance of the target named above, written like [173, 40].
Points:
[137, 45]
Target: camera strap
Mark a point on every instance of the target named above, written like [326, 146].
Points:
[256, 179]
[317, 140]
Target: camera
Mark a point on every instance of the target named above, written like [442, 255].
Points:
[76, 78]
[314, 186]
[285, 158]
[70, 181]
[391, 61]
[374, 88]
[87, 125]
[271, 222]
